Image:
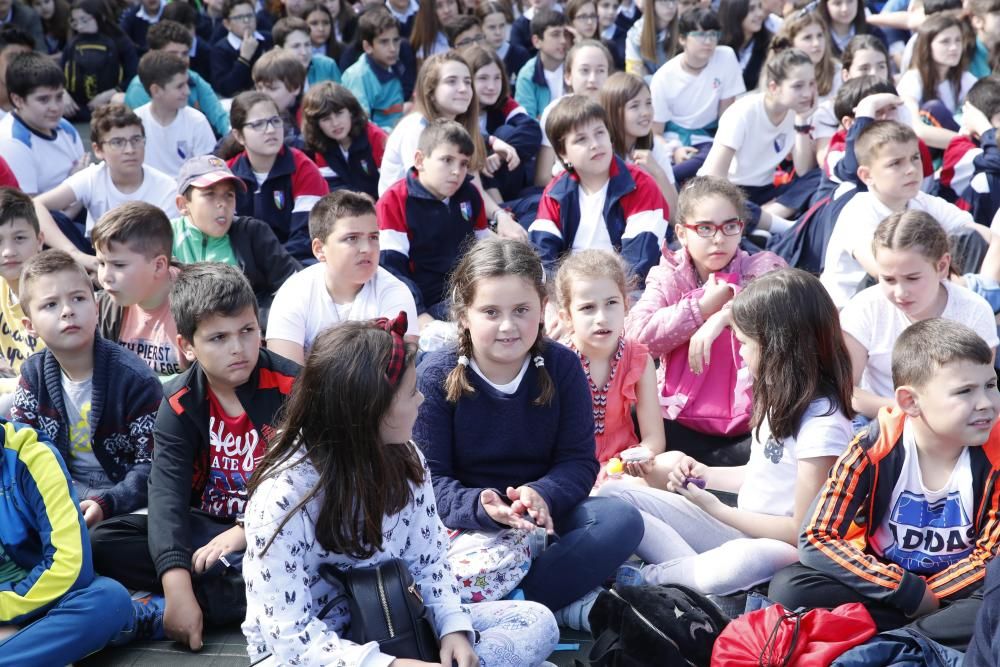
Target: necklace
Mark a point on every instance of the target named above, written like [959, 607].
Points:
[600, 394]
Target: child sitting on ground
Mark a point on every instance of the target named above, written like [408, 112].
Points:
[376, 78]
[95, 401]
[174, 131]
[686, 307]
[54, 610]
[911, 252]
[282, 77]
[213, 426]
[801, 424]
[292, 34]
[924, 477]
[346, 284]
[426, 219]
[20, 240]
[133, 244]
[541, 78]
[298, 520]
[207, 230]
[234, 55]
[592, 293]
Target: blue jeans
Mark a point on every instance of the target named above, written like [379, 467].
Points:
[595, 538]
[82, 622]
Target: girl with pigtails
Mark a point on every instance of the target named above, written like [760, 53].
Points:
[507, 428]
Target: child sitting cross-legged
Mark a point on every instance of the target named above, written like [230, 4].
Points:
[347, 486]
[213, 427]
[346, 284]
[133, 244]
[208, 230]
[906, 523]
[95, 401]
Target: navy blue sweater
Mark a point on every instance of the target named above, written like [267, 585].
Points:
[491, 440]
[230, 72]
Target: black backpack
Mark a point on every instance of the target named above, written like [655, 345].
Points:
[92, 65]
[652, 626]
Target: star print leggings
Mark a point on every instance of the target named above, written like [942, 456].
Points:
[683, 544]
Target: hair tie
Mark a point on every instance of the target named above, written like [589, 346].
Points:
[397, 360]
[463, 360]
[539, 361]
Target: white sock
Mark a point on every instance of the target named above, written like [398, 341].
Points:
[779, 224]
[575, 615]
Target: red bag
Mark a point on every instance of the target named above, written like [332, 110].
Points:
[775, 637]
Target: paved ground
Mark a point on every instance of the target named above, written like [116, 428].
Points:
[228, 649]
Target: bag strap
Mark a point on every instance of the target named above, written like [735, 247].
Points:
[767, 657]
[607, 645]
[331, 574]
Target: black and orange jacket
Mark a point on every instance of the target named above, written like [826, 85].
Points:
[181, 449]
[836, 538]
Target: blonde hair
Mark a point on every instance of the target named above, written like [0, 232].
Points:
[423, 98]
[590, 264]
[790, 29]
[494, 258]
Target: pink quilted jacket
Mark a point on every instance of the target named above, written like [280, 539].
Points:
[666, 316]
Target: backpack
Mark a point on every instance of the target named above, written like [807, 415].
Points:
[717, 400]
[652, 626]
[92, 64]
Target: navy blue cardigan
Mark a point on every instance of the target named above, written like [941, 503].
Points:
[492, 440]
[126, 395]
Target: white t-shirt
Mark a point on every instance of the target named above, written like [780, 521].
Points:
[167, 147]
[842, 274]
[927, 530]
[93, 188]
[760, 145]
[692, 100]
[303, 308]
[40, 163]
[554, 80]
[771, 473]
[400, 149]
[875, 323]
[910, 85]
[593, 230]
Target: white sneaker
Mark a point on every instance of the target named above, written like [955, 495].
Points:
[575, 615]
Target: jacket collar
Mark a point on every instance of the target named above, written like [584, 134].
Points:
[620, 183]
[414, 188]
[283, 165]
[385, 74]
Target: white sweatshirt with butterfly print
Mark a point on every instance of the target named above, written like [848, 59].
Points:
[285, 591]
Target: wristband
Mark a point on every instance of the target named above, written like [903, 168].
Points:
[804, 129]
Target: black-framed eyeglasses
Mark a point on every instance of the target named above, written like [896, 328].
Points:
[264, 124]
[119, 143]
[707, 230]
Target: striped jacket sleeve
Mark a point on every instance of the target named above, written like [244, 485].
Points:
[545, 233]
[973, 173]
[65, 563]
[956, 579]
[646, 214]
[394, 239]
[824, 544]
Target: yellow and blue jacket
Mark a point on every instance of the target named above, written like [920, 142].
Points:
[41, 527]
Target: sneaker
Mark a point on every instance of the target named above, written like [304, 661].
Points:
[147, 619]
[630, 574]
[576, 615]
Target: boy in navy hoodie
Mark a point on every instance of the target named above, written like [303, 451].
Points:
[234, 55]
[212, 427]
[426, 219]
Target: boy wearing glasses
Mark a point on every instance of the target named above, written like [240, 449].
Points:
[234, 55]
[174, 131]
[119, 143]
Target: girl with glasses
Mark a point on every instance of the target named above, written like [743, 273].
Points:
[692, 90]
[282, 184]
[686, 306]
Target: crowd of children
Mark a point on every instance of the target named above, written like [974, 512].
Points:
[534, 297]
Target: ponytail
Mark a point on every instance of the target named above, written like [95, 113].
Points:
[457, 384]
[545, 383]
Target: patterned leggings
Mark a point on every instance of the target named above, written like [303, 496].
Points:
[513, 633]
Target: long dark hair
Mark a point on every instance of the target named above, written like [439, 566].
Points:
[103, 14]
[802, 358]
[332, 420]
[923, 60]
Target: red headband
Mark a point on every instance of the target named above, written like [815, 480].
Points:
[397, 361]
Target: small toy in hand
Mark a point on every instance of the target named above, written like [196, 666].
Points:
[697, 481]
[615, 468]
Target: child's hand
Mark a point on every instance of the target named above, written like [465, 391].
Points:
[878, 105]
[249, 45]
[700, 345]
[455, 648]
[182, 621]
[507, 152]
[640, 469]
[501, 512]
[699, 497]
[70, 107]
[685, 467]
[975, 120]
[527, 500]
[492, 164]
[644, 158]
[234, 539]
[715, 294]
[93, 513]
[509, 228]
[555, 328]
[684, 153]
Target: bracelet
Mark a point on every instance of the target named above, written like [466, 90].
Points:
[804, 129]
